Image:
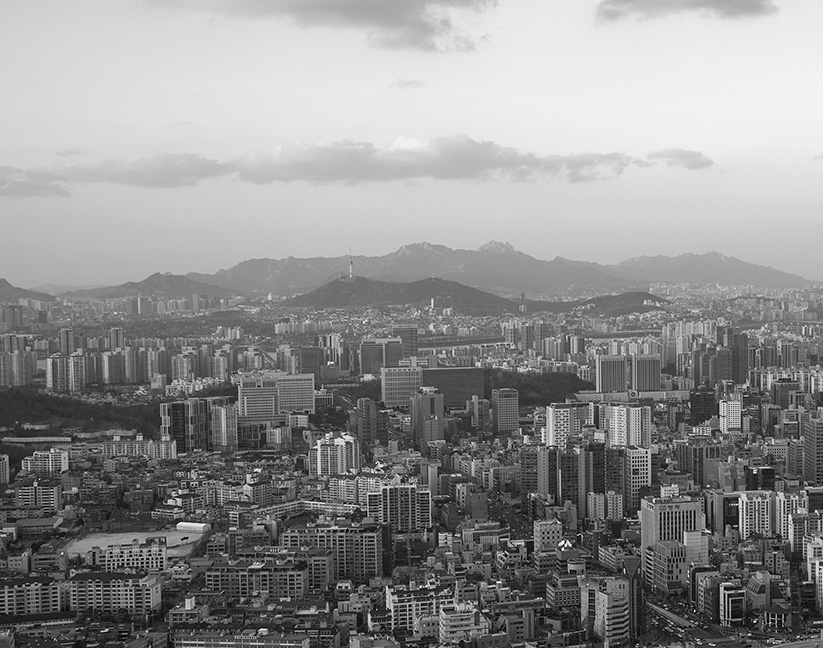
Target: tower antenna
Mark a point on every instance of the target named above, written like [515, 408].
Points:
[351, 266]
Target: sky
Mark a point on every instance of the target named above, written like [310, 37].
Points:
[142, 136]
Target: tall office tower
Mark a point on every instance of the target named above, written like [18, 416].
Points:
[404, 507]
[427, 416]
[399, 384]
[731, 416]
[295, 393]
[564, 421]
[457, 384]
[5, 469]
[527, 462]
[664, 519]
[269, 396]
[376, 353]
[813, 452]
[408, 334]
[610, 373]
[480, 410]
[77, 373]
[702, 406]
[57, 373]
[548, 472]
[116, 339]
[310, 360]
[638, 475]
[505, 410]
[372, 424]
[755, 514]
[740, 358]
[693, 454]
[612, 611]
[646, 373]
[571, 480]
[66, 341]
[781, 391]
[186, 422]
[334, 454]
[224, 427]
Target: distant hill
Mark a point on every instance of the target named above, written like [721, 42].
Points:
[158, 285]
[10, 294]
[709, 268]
[362, 292]
[59, 289]
[494, 267]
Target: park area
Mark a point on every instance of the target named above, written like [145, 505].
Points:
[179, 543]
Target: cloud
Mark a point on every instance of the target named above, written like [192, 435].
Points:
[17, 183]
[610, 10]
[675, 157]
[69, 152]
[393, 24]
[408, 84]
[339, 161]
[445, 158]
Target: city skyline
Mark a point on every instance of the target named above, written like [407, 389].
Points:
[187, 137]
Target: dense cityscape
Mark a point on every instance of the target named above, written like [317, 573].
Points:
[208, 472]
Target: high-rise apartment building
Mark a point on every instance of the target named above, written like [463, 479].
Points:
[404, 507]
[755, 514]
[505, 410]
[335, 454]
[731, 415]
[357, 547]
[25, 595]
[564, 421]
[813, 451]
[46, 463]
[5, 469]
[224, 427]
[113, 591]
[149, 556]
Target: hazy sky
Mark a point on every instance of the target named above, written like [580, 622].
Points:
[189, 135]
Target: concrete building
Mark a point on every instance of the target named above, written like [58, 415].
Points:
[45, 463]
[113, 591]
[29, 595]
[505, 410]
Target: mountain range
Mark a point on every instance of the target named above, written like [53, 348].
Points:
[498, 268]
[495, 267]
